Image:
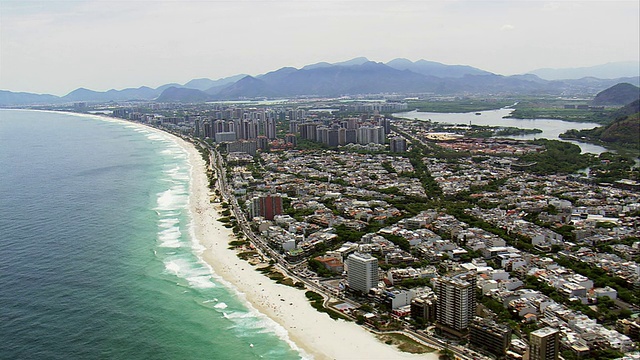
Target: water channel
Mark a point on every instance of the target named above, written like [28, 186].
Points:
[551, 129]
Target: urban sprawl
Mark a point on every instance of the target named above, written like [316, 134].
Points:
[449, 239]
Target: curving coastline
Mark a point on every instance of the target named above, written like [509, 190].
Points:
[315, 333]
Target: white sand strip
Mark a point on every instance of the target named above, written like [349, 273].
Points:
[315, 332]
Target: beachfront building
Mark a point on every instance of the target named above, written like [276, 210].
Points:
[544, 344]
[456, 303]
[489, 336]
[268, 206]
[362, 272]
[423, 308]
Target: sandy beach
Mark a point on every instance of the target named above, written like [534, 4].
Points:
[316, 333]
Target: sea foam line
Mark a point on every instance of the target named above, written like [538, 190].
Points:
[253, 318]
[263, 321]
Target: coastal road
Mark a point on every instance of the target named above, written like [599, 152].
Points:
[217, 164]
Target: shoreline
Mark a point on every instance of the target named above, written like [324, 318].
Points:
[309, 332]
[314, 332]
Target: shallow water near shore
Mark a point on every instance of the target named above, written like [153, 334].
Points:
[98, 256]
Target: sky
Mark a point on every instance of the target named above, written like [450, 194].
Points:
[55, 47]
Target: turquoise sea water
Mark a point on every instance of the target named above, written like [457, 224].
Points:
[97, 260]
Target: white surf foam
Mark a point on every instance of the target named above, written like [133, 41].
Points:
[172, 199]
[221, 306]
[155, 137]
[168, 223]
[197, 276]
[170, 237]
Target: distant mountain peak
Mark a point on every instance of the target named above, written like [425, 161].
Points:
[611, 70]
[436, 69]
[619, 94]
[355, 61]
[319, 65]
[180, 94]
[355, 76]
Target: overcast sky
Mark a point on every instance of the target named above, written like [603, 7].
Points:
[57, 46]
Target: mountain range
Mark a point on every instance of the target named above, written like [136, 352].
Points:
[604, 71]
[353, 77]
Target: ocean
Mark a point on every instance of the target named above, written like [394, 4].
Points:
[97, 256]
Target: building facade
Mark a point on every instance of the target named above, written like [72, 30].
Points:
[362, 272]
[544, 344]
[423, 308]
[456, 303]
[489, 336]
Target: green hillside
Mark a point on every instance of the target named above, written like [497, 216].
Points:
[622, 134]
[620, 94]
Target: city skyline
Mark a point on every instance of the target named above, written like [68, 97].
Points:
[56, 47]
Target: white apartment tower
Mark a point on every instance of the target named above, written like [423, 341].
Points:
[362, 272]
[456, 303]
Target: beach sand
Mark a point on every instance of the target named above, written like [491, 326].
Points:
[316, 333]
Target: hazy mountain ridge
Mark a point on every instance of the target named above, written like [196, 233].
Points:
[24, 98]
[176, 94]
[356, 76]
[604, 71]
[436, 69]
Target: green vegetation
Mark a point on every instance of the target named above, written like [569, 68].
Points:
[345, 234]
[317, 303]
[603, 354]
[238, 243]
[503, 314]
[304, 144]
[245, 255]
[413, 283]
[421, 171]
[613, 167]
[387, 166]
[278, 277]
[405, 343]
[619, 94]
[623, 135]
[319, 268]
[399, 241]
[559, 157]
[487, 132]
[554, 109]
[457, 209]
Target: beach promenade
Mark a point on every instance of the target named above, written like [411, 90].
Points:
[318, 335]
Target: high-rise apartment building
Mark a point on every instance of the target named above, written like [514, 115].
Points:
[266, 206]
[362, 272]
[398, 144]
[456, 303]
[489, 336]
[544, 344]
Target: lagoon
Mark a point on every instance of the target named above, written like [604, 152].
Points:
[551, 128]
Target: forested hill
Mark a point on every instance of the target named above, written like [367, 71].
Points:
[620, 94]
[623, 132]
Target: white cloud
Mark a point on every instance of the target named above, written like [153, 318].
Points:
[507, 27]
